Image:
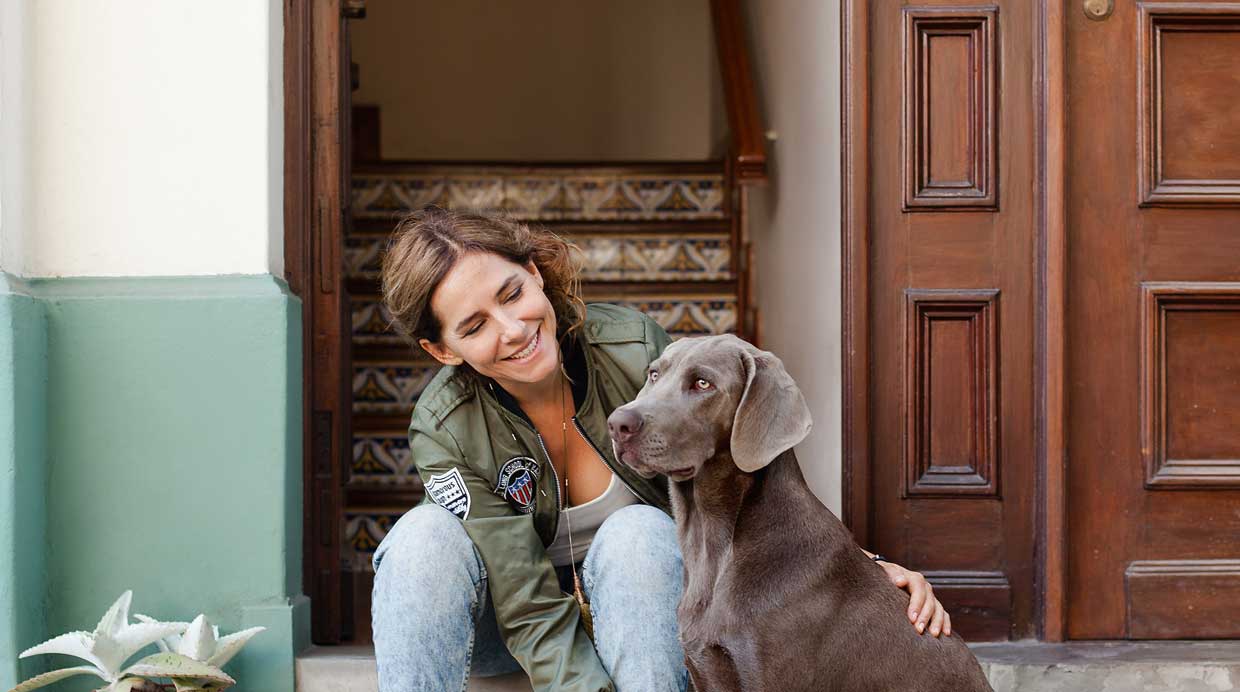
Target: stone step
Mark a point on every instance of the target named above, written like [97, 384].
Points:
[1169, 666]
[1173, 666]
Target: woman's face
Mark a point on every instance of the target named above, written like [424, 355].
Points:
[496, 318]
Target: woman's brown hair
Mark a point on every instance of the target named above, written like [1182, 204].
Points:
[428, 243]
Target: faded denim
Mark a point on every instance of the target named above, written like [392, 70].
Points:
[434, 625]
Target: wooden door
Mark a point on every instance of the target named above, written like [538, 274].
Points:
[940, 254]
[316, 214]
[1153, 320]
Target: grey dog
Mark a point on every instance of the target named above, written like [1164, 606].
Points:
[777, 595]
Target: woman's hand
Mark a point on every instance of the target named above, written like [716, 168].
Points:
[923, 607]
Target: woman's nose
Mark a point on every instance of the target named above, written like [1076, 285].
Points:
[513, 328]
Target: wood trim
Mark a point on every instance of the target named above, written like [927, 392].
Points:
[315, 202]
[980, 190]
[1155, 189]
[855, 221]
[1157, 300]
[979, 475]
[297, 256]
[741, 97]
[1051, 404]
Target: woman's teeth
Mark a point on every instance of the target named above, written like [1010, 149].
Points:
[527, 351]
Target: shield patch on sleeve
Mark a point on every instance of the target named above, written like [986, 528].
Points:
[448, 491]
[518, 482]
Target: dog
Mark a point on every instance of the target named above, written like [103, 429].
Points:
[778, 597]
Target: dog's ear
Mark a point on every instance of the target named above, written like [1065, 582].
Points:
[772, 416]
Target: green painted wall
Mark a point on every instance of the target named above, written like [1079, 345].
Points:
[173, 440]
[23, 478]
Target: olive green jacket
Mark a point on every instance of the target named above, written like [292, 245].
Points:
[484, 461]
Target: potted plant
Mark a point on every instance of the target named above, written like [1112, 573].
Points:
[190, 658]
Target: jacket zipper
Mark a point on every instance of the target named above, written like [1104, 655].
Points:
[584, 436]
[559, 502]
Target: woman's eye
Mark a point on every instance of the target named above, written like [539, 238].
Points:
[473, 330]
[702, 384]
[513, 296]
[654, 375]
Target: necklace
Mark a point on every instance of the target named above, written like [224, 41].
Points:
[587, 619]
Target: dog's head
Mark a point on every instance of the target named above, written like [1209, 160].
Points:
[706, 395]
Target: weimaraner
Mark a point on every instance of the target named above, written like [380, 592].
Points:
[778, 596]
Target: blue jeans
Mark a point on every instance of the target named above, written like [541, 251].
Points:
[434, 624]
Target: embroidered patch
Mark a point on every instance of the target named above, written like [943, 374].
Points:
[518, 481]
[448, 491]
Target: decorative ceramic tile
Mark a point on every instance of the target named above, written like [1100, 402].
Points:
[605, 256]
[383, 458]
[371, 322]
[364, 530]
[687, 316]
[389, 389]
[542, 193]
[363, 254]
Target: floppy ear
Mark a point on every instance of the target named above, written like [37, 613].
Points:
[772, 416]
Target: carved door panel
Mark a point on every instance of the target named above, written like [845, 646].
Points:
[951, 304]
[1153, 321]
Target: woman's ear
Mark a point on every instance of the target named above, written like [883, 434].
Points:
[533, 269]
[440, 352]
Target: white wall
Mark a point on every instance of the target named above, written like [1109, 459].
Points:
[540, 80]
[14, 129]
[156, 138]
[796, 221]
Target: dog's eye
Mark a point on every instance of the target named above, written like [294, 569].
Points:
[702, 384]
[654, 375]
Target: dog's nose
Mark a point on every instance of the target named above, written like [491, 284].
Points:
[623, 424]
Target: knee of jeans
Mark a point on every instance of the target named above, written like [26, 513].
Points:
[427, 535]
[637, 539]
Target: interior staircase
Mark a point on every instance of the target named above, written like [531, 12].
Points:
[659, 237]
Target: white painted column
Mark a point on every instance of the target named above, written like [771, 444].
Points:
[156, 142]
[796, 221]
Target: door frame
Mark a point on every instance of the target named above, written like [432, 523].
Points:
[316, 203]
[1050, 405]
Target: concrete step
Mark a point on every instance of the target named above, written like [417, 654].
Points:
[1170, 666]
[1174, 666]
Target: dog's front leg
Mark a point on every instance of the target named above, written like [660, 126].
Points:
[712, 670]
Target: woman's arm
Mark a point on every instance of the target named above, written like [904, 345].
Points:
[923, 607]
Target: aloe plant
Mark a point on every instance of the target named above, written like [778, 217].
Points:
[113, 642]
[201, 641]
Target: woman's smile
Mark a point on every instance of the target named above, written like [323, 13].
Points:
[526, 354]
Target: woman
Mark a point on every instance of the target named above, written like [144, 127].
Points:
[482, 578]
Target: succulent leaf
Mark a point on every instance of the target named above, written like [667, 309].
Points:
[174, 665]
[198, 641]
[168, 643]
[229, 646]
[117, 616]
[54, 676]
[133, 638]
[77, 644]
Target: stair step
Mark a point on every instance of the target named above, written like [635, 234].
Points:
[1172, 666]
[1169, 666]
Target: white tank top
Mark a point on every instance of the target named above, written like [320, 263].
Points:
[586, 519]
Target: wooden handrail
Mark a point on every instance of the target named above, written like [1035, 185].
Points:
[748, 152]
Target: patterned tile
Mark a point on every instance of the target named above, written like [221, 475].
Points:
[370, 322]
[363, 530]
[542, 193]
[686, 316]
[606, 256]
[389, 389]
[383, 459]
